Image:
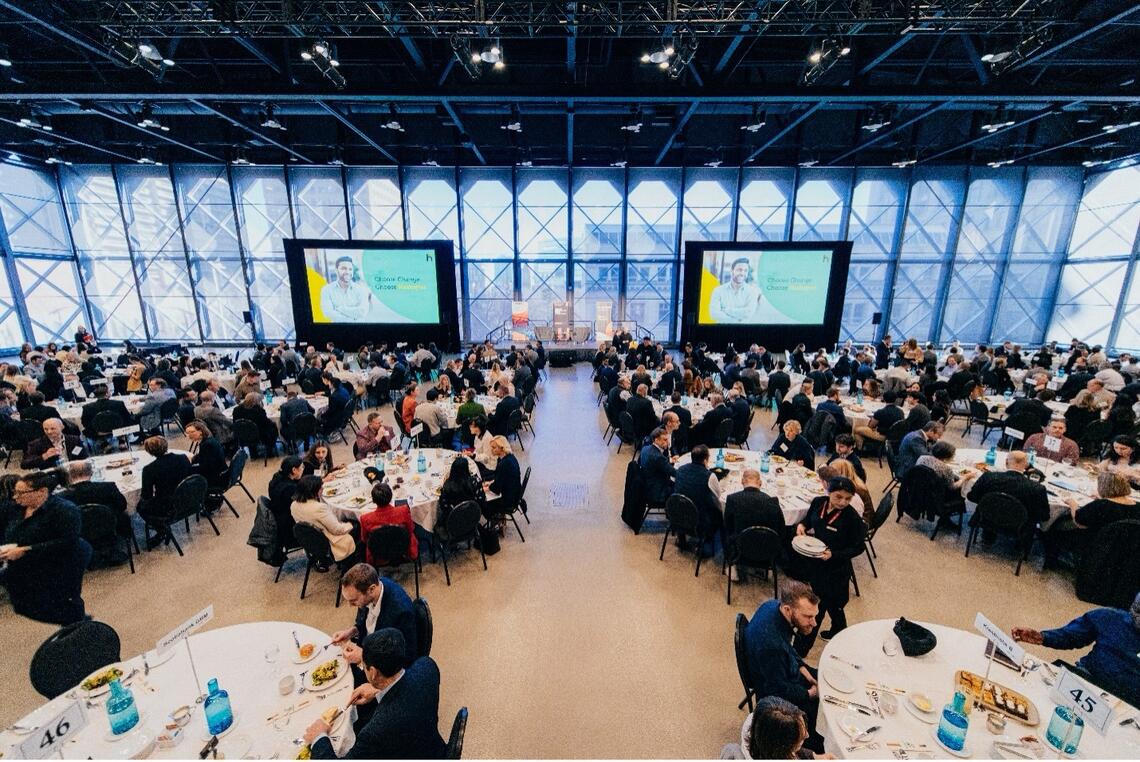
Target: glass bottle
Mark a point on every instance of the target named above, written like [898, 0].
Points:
[954, 723]
[122, 713]
[765, 460]
[219, 715]
[720, 458]
[421, 463]
[1031, 453]
[991, 456]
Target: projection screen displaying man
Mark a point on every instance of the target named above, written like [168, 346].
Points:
[738, 300]
[345, 298]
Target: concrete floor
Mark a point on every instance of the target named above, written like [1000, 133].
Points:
[578, 642]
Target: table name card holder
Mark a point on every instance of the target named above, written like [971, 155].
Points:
[182, 632]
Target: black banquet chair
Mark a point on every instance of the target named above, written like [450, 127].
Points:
[71, 654]
[454, 748]
[188, 500]
[424, 627]
[461, 525]
[1004, 514]
[755, 548]
[100, 529]
[390, 542]
[683, 518]
[318, 554]
[742, 661]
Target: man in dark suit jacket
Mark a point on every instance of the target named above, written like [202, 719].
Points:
[1034, 406]
[380, 603]
[684, 423]
[704, 430]
[43, 452]
[779, 382]
[669, 380]
[883, 353]
[752, 508]
[741, 412]
[801, 402]
[499, 421]
[405, 721]
[657, 470]
[1013, 482]
[607, 375]
[36, 410]
[103, 404]
[640, 408]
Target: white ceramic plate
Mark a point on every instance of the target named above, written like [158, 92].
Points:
[808, 546]
[106, 687]
[966, 753]
[344, 669]
[297, 656]
[839, 680]
[929, 718]
[205, 733]
[136, 730]
[853, 723]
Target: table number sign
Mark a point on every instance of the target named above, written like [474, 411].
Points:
[53, 734]
[124, 431]
[415, 430]
[1095, 709]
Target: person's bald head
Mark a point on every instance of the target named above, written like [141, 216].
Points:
[750, 477]
[671, 421]
[1017, 460]
[642, 390]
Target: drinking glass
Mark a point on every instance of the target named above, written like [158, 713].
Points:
[1065, 729]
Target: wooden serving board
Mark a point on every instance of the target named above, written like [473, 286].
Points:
[983, 694]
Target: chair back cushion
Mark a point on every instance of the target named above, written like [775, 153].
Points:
[71, 654]
[681, 513]
[424, 627]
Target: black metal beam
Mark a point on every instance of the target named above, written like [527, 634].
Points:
[62, 33]
[734, 43]
[975, 60]
[343, 119]
[57, 135]
[981, 138]
[1068, 144]
[884, 134]
[119, 119]
[445, 102]
[1091, 30]
[254, 49]
[891, 49]
[788, 128]
[677, 129]
[246, 128]
[570, 135]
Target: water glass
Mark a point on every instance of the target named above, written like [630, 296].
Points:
[271, 655]
[1065, 728]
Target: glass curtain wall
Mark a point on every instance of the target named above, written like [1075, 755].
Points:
[180, 253]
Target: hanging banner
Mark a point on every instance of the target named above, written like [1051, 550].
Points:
[520, 320]
[561, 320]
[603, 321]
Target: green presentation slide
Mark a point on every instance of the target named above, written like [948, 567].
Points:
[770, 287]
[373, 285]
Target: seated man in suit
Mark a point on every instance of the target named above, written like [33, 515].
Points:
[779, 382]
[1034, 405]
[499, 421]
[703, 432]
[845, 450]
[657, 468]
[208, 412]
[681, 435]
[640, 408]
[750, 507]
[52, 447]
[1013, 482]
[404, 723]
[774, 666]
[380, 603]
[103, 404]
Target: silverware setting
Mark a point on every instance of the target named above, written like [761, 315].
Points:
[844, 661]
[866, 733]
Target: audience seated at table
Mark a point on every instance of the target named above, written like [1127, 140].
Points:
[657, 470]
[210, 459]
[250, 409]
[209, 413]
[1123, 457]
[791, 445]
[499, 422]
[1114, 635]
[53, 448]
[80, 489]
[505, 481]
[380, 602]
[103, 404]
[940, 460]
[640, 408]
[751, 507]
[695, 481]
[863, 503]
[1033, 405]
[481, 439]
[801, 402]
[281, 492]
[373, 438]
[318, 461]
[916, 444]
[459, 487]
[1076, 530]
[845, 450]
[1052, 444]
[47, 557]
[382, 514]
[1014, 482]
[434, 420]
[775, 668]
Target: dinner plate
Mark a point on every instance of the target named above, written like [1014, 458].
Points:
[854, 723]
[317, 651]
[839, 680]
[929, 718]
[105, 688]
[812, 547]
[966, 752]
[344, 669]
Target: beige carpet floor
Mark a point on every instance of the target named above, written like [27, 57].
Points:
[578, 642]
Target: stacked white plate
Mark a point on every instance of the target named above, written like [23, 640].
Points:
[805, 545]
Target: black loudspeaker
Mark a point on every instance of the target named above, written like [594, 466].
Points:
[247, 317]
[562, 358]
[876, 318]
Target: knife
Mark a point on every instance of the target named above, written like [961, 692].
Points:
[849, 705]
[296, 641]
[865, 733]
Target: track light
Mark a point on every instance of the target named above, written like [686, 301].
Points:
[634, 124]
[999, 163]
[757, 122]
[147, 120]
[714, 163]
[1031, 43]
[144, 55]
[269, 118]
[878, 119]
[5, 59]
[431, 163]
[824, 56]
[904, 163]
[809, 163]
[321, 55]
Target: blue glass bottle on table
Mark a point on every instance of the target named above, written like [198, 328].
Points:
[421, 463]
[765, 460]
[954, 723]
[720, 458]
[991, 456]
[122, 713]
[1031, 453]
[1065, 729]
[219, 715]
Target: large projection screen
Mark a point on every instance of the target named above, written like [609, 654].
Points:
[351, 292]
[773, 293]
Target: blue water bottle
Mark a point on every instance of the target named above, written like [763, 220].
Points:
[720, 458]
[1031, 453]
[421, 463]
[859, 395]
[219, 715]
[954, 723]
[1008, 395]
[991, 456]
[765, 459]
[122, 713]
[268, 396]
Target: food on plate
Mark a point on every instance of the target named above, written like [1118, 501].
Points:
[998, 698]
[921, 702]
[332, 491]
[99, 679]
[982, 466]
[731, 457]
[330, 714]
[326, 673]
[306, 650]
[359, 500]
[779, 459]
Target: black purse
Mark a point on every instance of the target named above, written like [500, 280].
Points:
[488, 540]
[915, 639]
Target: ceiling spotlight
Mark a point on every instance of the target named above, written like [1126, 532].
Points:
[145, 48]
[431, 163]
[334, 62]
[57, 160]
[904, 163]
[997, 124]
[526, 163]
[269, 118]
[714, 163]
[306, 55]
[845, 50]
[993, 58]
[320, 48]
[336, 161]
[515, 126]
[147, 120]
[323, 57]
[823, 57]
[5, 61]
[999, 163]
[13, 156]
[644, 58]
[476, 58]
[815, 56]
[392, 124]
[498, 65]
[879, 119]
[759, 119]
[620, 163]
[663, 65]
[491, 55]
[141, 54]
[1033, 41]
[809, 163]
[632, 126]
[168, 62]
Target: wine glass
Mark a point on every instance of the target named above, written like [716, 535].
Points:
[272, 653]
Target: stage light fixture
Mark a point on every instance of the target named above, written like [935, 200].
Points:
[878, 119]
[5, 58]
[714, 163]
[757, 122]
[322, 55]
[904, 163]
[620, 163]
[269, 118]
[146, 119]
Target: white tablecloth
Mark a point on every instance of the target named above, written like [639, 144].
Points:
[450, 407]
[420, 490]
[126, 476]
[999, 402]
[856, 413]
[794, 486]
[933, 674]
[697, 407]
[235, 655]
[73, 413]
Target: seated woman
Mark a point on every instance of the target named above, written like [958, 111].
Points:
[505, 484]
[481, 443]
[792, 446]
[318, 461]
[308, 508]
[1123, 458]
[940, 460]
[459, 487]
[386, 513]
[210, 460]
[250, 409]
[1074, 532]
[45, 555]
[776, 730]
[282, 488]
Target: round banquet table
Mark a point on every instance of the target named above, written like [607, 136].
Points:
[697, 407]
[793, 485]
[933, 674]
[317, 401]
[127, 476]
[997, 403]
[1062, 481]
[73, 412]
[857, 413]
[353, 492]
[235, 655]
[654, 376]
[450, 407]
